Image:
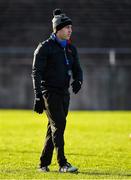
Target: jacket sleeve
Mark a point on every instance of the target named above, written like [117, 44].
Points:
[76, 68]
[38, 67]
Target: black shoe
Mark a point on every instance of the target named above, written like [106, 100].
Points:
[68, 168]
[44, 169]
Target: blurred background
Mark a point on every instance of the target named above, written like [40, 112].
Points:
[102, 33]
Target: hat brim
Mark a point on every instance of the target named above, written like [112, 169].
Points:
[62, 25]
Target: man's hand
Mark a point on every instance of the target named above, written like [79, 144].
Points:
[39, 104]
[76, 86]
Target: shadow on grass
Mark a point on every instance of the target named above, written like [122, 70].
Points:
[93, 173]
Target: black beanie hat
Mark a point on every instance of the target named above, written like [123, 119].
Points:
[60, 20]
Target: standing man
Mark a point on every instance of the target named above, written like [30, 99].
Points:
[55, 61]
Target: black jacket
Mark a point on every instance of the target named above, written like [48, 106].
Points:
[50, 68]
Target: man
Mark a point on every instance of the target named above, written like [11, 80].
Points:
[55, 61]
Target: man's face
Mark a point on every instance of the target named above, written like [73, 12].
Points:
[65, 33]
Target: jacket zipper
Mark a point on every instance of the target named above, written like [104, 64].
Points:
[67, 63]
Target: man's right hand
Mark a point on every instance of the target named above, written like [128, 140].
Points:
[39, 104]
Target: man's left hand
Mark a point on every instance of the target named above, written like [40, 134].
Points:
[76, 86]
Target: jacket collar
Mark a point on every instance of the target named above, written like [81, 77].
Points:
[62, 43]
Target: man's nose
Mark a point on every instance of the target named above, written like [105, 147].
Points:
[70, 30]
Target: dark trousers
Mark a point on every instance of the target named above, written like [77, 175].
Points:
[56, 111]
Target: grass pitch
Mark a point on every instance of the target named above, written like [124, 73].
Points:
[96, 142]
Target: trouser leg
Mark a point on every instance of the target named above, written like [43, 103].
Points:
[47, 152]
[57, 109]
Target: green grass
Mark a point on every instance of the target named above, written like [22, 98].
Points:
[96, 142]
